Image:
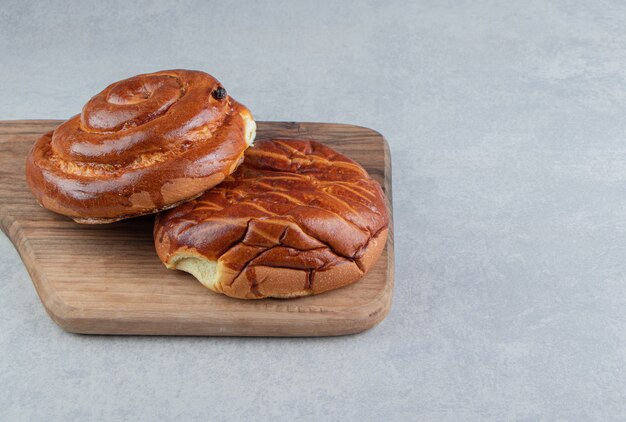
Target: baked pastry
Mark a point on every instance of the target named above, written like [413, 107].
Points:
[296, 218]
[142, 145]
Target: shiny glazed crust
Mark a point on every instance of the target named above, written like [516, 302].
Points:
[296, 218]
[142, 145]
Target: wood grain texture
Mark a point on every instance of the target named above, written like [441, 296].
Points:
[107, 279]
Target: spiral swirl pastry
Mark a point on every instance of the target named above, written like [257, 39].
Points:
[142, 145]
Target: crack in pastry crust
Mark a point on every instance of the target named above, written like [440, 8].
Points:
[141, 145]
[296, 218]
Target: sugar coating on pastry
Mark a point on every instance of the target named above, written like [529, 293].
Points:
[142, 145]
[296, 218]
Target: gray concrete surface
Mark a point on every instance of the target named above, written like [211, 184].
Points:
[506, 124]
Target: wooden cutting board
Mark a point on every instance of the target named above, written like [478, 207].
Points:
[107, 279]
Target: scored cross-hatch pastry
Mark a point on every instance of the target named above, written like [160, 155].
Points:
[142, 145]
[296, 218]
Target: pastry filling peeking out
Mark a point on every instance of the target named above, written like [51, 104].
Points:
[250, 128]
[203, 269]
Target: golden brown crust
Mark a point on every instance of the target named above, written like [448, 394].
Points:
[142, 145]
[296, 218]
